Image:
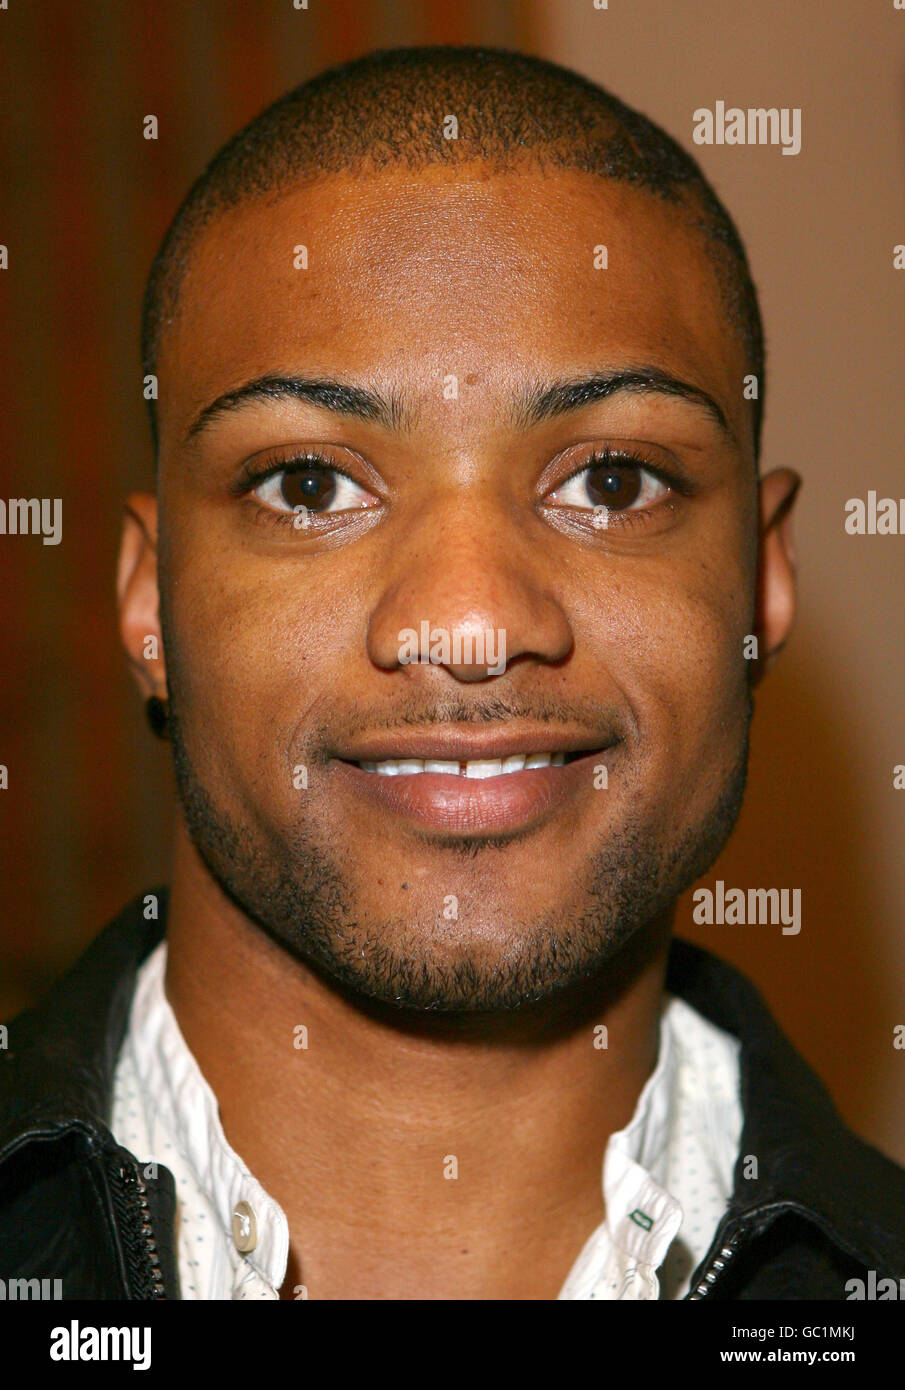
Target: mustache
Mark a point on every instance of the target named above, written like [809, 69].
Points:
[584, 713]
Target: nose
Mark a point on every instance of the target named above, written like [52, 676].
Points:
[469, 589]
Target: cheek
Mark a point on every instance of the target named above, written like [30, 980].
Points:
[669, 637]
[262, 647]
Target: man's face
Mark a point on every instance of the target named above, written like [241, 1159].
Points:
[607, 551]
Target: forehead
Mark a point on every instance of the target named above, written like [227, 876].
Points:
[404, 277]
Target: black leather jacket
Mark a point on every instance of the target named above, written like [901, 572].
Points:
[74, 1205]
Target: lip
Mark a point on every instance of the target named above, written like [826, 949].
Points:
[452, 745]
[455, 805]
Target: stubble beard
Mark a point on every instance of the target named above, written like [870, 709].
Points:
[296, 891]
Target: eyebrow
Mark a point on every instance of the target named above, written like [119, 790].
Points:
[542, 401]
[334, 396]
[545, 402]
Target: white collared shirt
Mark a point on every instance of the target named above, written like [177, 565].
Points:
[667, 1177]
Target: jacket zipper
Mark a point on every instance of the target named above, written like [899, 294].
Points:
[717, 1267]
[130, 1197]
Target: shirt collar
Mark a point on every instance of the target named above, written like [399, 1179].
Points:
[173, 1084]
[642, 1218]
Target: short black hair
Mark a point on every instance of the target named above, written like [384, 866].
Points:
[388, 109]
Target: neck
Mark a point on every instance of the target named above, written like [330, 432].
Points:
[415, 1157]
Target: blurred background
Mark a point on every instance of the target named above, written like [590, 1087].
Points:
[84, 201]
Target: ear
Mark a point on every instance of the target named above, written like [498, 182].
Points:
[138, 596]
[776, 568]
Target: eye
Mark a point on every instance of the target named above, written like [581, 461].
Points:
[311, 483]
[618, 483]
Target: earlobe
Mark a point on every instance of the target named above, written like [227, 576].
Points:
[776, 569]
[138, 596]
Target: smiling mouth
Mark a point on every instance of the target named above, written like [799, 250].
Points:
[465, 796]
[477, 768]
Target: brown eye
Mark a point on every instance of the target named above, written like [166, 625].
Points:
[611, 485]
[615, 486]
[316, 488]
[311, 487]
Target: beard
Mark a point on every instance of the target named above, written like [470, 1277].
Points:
[293, 886]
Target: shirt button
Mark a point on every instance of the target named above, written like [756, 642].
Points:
[245, 1228]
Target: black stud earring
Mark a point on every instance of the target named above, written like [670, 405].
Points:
[158, 715]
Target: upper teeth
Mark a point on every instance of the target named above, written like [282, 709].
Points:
[477, 767]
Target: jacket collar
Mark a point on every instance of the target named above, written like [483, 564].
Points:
[808, 1160]
[62, 1055]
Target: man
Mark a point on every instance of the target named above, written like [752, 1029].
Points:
[446, 604]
